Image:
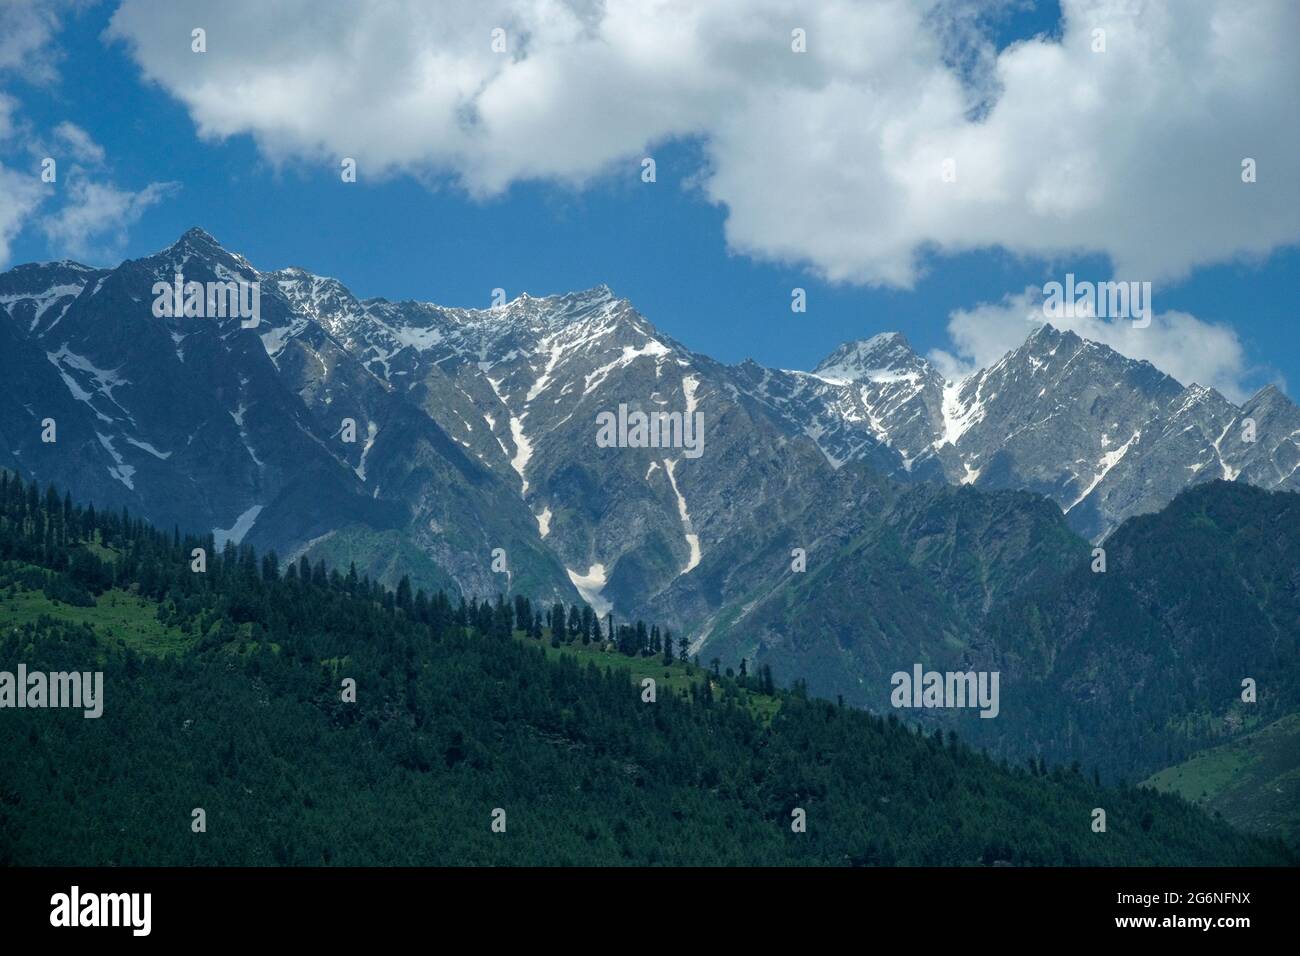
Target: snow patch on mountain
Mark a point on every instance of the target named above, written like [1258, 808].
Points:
[238, 416]
[44, 301]
[652, 347]
[371, 431]
[957, 417]
[236, 532]
[690, 386]
[420, 339]
[544, 379]
[275, 339]
[145, 446]
[590, 585]
[1108, 461]
[692, 539]
[523, 451]
[1229, 473]
[523, 446]
[121, 470]
[102, 381]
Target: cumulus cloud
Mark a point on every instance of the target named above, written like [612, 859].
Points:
[831, 158]
[983, 334]
[1177, 343]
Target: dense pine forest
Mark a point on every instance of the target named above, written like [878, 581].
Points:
[1151, 656]
[226, 689]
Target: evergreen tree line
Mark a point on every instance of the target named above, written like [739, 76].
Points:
[455, 716]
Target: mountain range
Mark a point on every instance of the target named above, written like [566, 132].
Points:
[839, 524]
[476, 427]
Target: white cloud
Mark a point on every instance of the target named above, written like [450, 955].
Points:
[27, 28]
[22, 194]
[92, 217]
[830, 158]
[983, 334]
[78, 143]
[1177, 343]
[92, 224]
[8, 106]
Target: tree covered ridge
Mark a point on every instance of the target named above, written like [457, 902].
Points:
[1139, 667]
[459, 712]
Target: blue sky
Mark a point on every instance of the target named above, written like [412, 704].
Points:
[420, 233]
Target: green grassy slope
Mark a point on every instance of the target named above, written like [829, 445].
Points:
[116, 616]
[1253, 781]
[383, 555]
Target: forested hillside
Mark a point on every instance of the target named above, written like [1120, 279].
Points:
[902, 575]
[1138, 667]
[222, 691]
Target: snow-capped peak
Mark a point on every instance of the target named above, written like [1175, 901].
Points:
[882, 358]
[208, 255]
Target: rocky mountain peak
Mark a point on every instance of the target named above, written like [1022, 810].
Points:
[885, 357]
[1270, 395]
[1047, 340]
[320, 297]
[198, 235]
[559, 308]
[198, 255]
